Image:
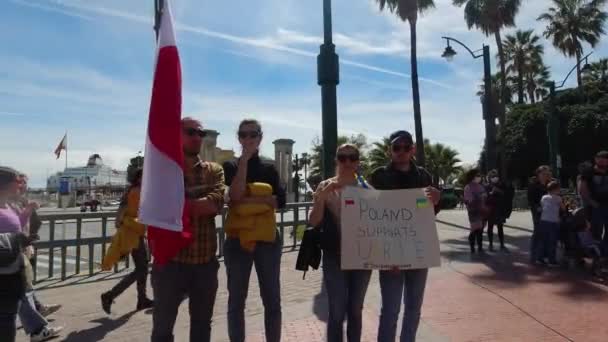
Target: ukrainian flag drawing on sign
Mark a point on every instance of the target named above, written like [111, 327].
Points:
[422, 203]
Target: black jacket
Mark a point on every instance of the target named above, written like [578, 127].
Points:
[258, 170]
[536, 191]
[389, 178]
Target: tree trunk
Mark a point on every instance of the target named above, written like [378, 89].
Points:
[520, 81]
[416, 93]
[503, 104]
[578, 68]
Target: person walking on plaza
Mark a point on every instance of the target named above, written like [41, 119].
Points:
[129, 238]
[32, 225]
[14, 222]
[345, 289]
[596, 184]
[500, 206]
[402, 285]
[193, 272]
[475, 198]
[536, 190]
[241, 175]
[548, 227]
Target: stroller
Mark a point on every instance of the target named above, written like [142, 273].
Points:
[578, 242]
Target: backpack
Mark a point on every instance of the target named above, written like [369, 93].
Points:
[11, 253]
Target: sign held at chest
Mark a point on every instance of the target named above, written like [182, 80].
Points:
[388, 229]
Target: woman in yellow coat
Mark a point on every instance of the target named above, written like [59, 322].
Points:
[129, 237]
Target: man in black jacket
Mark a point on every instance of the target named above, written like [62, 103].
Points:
[402, 173]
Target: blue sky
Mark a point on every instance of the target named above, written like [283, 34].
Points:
[85, 66]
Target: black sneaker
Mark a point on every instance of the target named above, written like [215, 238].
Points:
[144, 304]
[106, 303]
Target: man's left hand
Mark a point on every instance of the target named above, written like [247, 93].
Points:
[433, 194]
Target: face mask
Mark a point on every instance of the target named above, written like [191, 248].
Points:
[495, 180]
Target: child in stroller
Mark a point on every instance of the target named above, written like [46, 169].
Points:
[579, 242]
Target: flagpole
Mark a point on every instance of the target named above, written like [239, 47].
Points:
[158, 10]
[66, 150]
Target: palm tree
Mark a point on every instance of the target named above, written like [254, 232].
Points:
[572, 22]
[496, 95]
[379, 154]
[491, 16]
[537, 81]
[441, 161]
[408, 10]
[523, 51]
[597, 73]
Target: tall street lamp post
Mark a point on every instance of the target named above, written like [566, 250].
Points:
[328, 72]
[488, 113]
[553, 124]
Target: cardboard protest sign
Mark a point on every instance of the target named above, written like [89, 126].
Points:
[387, 229]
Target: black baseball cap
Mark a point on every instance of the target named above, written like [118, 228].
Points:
[403, 136]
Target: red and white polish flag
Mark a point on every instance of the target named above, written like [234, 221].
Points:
[162, 202]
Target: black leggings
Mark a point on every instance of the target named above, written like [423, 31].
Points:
[139, 275]
[476, 236]
[501, 233]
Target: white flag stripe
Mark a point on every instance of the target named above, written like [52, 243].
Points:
[166, 36]
[162, 191]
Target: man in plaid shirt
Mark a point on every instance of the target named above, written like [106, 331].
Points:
[193, 272]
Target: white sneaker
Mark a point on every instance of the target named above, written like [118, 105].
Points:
[46, 334]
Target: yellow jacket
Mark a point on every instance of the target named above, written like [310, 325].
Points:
[252, 222]
[127, 236]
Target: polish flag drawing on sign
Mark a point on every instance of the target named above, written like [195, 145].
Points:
[349, 201]
[163, 206]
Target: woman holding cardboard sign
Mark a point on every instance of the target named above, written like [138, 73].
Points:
[345, 289]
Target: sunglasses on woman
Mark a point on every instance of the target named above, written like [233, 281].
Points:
[250, 134]
[344, 157]
[401, 148]
[195, 131]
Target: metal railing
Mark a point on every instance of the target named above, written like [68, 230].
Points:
[93, 232]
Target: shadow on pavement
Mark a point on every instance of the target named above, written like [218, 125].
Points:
[99, 332]
[319, 305]
[513, 269]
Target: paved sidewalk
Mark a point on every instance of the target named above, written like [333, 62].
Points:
[498, 297]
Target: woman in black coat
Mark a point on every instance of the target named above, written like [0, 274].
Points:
[500, 206]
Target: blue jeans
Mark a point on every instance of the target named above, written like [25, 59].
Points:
[547, 235]
[393, 285]
[346, 294]
[267, 259]
[599, 223]
[31, 319]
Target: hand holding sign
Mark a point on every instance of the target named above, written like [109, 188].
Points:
[433, 194]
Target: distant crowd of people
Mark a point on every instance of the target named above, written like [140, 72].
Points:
[580, 226]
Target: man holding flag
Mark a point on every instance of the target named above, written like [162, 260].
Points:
[180, 198]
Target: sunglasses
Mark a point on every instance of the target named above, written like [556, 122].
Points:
[251, 134]
[195, 131]
[344, 157]
[401, 148]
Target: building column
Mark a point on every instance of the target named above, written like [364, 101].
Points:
[209, 146]
[283, 159]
